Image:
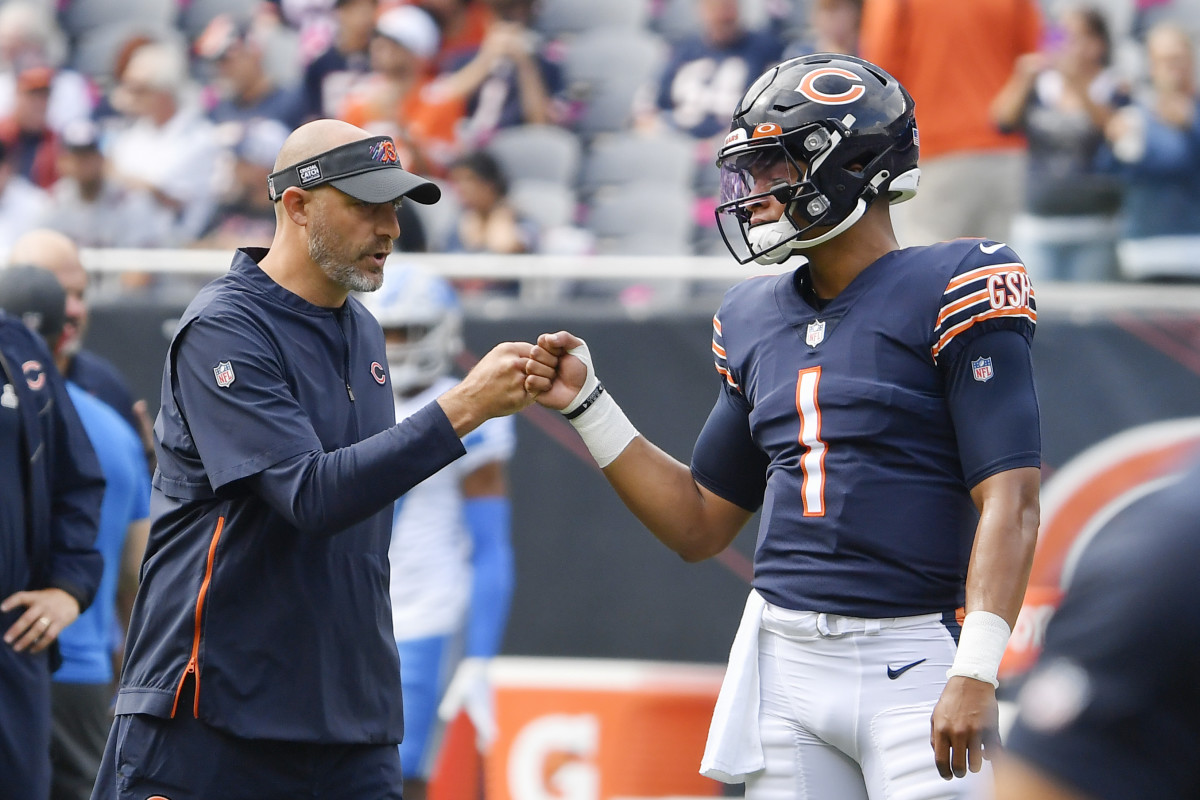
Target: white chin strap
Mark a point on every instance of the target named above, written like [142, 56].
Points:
[770, 238]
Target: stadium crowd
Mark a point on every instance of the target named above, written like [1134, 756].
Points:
[568, 128]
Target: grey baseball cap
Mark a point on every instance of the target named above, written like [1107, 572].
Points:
[368, 170]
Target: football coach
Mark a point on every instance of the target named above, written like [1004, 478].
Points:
[260, 661]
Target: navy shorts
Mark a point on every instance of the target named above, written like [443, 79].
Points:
[186, 759]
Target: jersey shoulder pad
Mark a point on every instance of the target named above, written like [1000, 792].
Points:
[987, 289]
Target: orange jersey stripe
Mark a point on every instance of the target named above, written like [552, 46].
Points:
[982, 272]
[960, 304]
[1027, 313]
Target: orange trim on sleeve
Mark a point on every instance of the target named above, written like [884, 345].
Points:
[982, 272]
[1021, 311]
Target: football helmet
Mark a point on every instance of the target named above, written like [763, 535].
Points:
[424, 310]
[823, 134]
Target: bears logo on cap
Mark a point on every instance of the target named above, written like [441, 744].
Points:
[384, 152]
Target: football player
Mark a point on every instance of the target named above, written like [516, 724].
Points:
[878, 405]
[451, 555]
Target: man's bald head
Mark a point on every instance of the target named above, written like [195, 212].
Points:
[47, 249]
[314, 138]
[56, 253]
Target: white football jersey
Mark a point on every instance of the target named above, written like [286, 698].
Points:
[430, 552]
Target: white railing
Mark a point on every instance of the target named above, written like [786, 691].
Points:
[542, 277]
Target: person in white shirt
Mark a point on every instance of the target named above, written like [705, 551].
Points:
[22, 204]
[169, 148]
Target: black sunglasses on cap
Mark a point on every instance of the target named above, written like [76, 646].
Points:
[367, 170]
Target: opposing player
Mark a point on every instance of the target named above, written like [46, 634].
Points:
[878, 405]
[451, 555]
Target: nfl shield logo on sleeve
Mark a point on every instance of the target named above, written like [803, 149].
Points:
[815, 333]
[224, 373]
[981, 368]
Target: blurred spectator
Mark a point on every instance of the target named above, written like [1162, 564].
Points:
[1062, 99]
[167, 148]
[329, 75]
[314, 22]
[52, 251]
[833, 27]
[462, 27]
[105, 112]
[487, 223]
[22, 204]
[708, 73]
[246, 214]
[34, 146]
[398, 98]
[1155, 150]
[94, 210]
[82, 691]
[512, 79]
[29, 36]
[246, 89]
[954, 58]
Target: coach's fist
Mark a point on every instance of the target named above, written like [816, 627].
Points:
[504, 381]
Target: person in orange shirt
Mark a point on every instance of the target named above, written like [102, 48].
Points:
[400, 96]
[954, 58]
[463, 25]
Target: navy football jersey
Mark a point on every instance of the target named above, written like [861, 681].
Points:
[859, 427]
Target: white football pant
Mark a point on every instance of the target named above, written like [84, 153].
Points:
[835, 726]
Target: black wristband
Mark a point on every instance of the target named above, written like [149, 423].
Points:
[588, 403]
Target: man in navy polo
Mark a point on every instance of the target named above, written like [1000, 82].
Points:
[260, 660]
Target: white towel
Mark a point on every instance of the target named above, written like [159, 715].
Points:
[734, 747]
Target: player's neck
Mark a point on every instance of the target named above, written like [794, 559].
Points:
[839, 261]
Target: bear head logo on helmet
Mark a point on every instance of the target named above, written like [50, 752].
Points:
[824, 135]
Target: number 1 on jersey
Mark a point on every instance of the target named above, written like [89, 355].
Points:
[812, 463]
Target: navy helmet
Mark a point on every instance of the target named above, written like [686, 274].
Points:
[834, 132]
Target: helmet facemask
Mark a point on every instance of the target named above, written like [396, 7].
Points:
[420, 353]
[819, 201]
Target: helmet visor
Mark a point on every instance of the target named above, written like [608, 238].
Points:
[759, 186]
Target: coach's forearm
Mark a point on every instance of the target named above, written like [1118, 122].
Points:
[324, 493]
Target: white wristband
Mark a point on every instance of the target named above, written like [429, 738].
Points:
[981, 645]
[601, 423]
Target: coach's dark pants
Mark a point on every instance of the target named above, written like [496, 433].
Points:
[185, 759]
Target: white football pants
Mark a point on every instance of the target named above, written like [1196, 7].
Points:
[836, 726]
